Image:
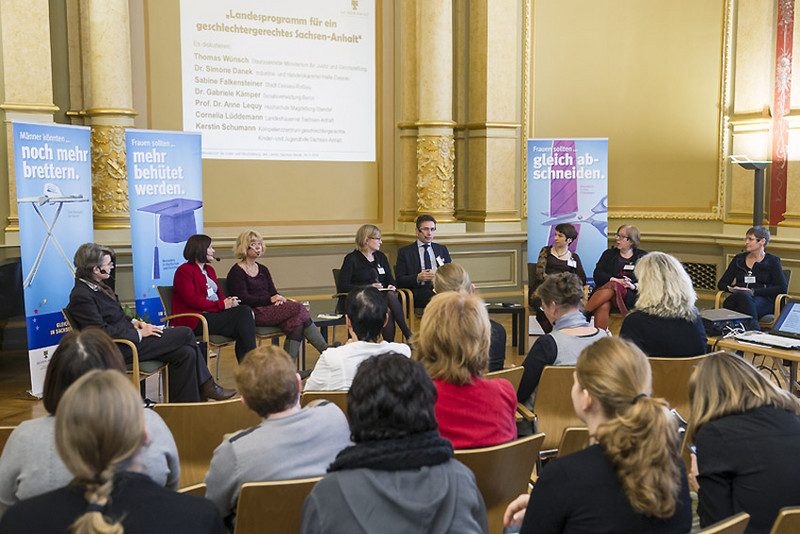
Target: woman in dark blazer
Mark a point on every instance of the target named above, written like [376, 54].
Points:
[754, 278]
[367, 265]
[614, 279]
[747, 435]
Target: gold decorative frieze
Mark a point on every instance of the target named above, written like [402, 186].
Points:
[435, 174]
[109, 172]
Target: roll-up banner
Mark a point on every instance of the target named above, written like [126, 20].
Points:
[568, 183]
[53, 171]
[165, 190]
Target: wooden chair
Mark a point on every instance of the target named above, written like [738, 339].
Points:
[263, 333]
[199, 427]
[139, 371]
[767, 321]
[339, 398]
[5, 432]
[553, 405]
[513, 375]
[787, 522]
[574, 439]
[671, 380]
[733, 525]
[273, 507]
[213, 342]
[198, 490]
[502, 473]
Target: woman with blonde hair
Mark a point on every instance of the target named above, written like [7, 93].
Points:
[98, 432]
[666, 322]
[368, 266]
[615, 282]
[252, 283]
[632, 479]
[453, 277]
[747, 437]
[453, 345]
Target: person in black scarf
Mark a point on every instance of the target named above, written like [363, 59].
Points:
[400, 476]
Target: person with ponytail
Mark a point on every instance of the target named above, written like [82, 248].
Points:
[99, 430]
[632, 478]
[746, 432]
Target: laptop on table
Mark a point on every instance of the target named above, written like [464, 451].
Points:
[784, 335]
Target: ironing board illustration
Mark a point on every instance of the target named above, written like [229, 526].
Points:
[173, 222]
[52, 195]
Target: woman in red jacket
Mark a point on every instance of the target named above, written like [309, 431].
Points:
[197, 291]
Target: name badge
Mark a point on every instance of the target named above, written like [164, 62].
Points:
[749, 279]
[628, 267]
[381, 270]
[209, 292]
[439, 261]
[572, 263]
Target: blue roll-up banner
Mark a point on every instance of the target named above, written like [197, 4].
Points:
[165, 190]
[53, 171]
[568, 183]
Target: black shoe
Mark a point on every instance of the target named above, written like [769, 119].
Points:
[211, 390]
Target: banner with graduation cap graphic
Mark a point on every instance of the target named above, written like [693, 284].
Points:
[165, 191]
[52, 168]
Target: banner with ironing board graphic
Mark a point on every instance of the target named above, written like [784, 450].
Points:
[165, 189]
[53, 171]
[568, 183]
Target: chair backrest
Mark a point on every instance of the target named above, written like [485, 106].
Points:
[199, 427]
[733, 525]
[339, 398]
[788, 521]
[223, 286]
[198, 490]
[273, 507]
[70, 321]
[502, 473]
[553, 404]
[342, 299]
[671, 380]
[5, 432]
[574, 439]
[165, 294]
[512, 374]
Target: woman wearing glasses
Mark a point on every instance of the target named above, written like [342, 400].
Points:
[367, 265]
[753, 277]
[614, 280]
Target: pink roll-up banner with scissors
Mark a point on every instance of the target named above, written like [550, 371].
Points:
[568, 183]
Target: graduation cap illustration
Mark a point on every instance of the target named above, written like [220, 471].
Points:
[174, 223]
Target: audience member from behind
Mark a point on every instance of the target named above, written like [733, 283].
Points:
[289, 443]
[365, 315]
[99, 430]
[614, 279]
[93, 303]
[560, 296]
[754, 278]
[453, 345]
[453, 277]
[747, 435]
[400, 476]
[666, 322]
[632, 480]
[554, 259]
[29, 465]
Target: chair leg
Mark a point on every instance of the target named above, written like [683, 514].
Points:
[219, 357]
[165, 383]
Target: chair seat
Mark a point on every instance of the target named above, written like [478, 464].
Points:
[216, 339]
[268, 330]
[766, 318]
[147, 367]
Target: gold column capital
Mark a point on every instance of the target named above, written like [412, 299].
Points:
[435, 177]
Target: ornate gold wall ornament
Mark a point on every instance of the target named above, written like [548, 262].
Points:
[109, 171]
[436, 156]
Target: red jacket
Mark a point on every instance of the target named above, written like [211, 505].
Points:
[191, 292]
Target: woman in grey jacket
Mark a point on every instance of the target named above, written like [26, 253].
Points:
[400, 476]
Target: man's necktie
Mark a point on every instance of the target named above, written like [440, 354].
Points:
[427, 256]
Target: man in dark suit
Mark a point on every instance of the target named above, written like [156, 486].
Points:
[93, 303]
[417, 262]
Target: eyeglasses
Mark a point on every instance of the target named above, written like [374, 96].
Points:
[375, 238]
[620, 236]
[751, 238]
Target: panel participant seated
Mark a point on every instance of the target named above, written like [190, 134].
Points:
[417, 262]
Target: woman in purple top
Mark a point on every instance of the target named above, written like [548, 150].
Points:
[252, 283]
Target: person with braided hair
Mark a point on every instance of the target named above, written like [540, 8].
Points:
[632, 479]
[99, 431]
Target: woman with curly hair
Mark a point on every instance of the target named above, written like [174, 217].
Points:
[747, 435]
[666, 322]
[632, 479]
